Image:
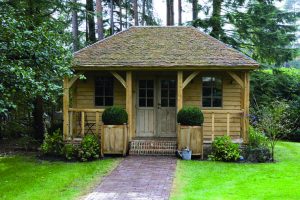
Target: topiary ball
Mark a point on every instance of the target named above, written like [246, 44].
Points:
[114, 116]
[190, 116]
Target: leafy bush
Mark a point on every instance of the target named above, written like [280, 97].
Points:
[191, 116]
[114, 116]
[70, 151]
[89, 148]
[53, 144]
[223, 149]
[293, 136]
[257, 149]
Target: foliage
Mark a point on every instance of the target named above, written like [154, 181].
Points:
[212, 180]
[293, 136]
[274, 122]
[257, 150]
[89, 148]
[223, 149]
[191, 116]
[53, 144]
[70, 151]
[41, 179]
[114, 116]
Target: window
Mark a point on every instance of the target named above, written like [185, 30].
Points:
[104, 91]
[211, 92]
[168, 93]
[146, 93]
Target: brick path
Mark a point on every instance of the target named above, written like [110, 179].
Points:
[138, 178]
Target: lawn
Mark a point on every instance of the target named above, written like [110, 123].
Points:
[26, 177]
[217, 180]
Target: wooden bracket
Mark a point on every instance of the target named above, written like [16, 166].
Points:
[189, 79]
[237, 79]
[72, 80]
[119, 78]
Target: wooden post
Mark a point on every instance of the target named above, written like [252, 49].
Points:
[102, 140]
[228, 124]
[129, 102]
[245, 106]
[66, 108]
[179, 90]
[71, 125]
[82, 124]
[213, 126]
[97, 122]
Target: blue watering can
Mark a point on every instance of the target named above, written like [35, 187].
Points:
[185, 154]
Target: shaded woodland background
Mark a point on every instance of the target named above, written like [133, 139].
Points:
[37, 39]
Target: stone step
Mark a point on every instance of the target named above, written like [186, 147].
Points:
[153, 147]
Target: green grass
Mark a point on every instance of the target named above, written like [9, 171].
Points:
[26, 177]
[217, 180]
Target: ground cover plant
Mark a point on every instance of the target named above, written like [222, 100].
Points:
[25, 177]
[219, 180]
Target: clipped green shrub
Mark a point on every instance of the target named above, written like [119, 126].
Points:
[114, 116]
[89, 148]
[190, 116]
[70, 151]
[223, 149]
[257, 149]
[53, 144]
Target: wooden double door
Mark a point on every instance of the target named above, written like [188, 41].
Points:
[156, 107]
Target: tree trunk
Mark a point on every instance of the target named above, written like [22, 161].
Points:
[170, 12]
[195, 9]
[179, 13]
[121, 21]
[38, 118]
[143, 12]
[216, 19]
[75, 27]
[112, 16]
[135, 11]
[90, 21]
[126, 13]
[99, 11]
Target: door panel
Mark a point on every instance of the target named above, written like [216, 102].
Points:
[146, 108]
[166, 110]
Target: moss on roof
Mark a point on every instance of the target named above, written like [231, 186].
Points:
[160, 47]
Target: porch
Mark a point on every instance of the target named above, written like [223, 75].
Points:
[152, 113]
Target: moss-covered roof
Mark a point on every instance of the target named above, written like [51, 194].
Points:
[161, 47]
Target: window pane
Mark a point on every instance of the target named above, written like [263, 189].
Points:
[99, 91]
[142, 93]
[149, 102]
[217, 102]
[164, 84]
[142, 102]
[206, 102]
[164, 93]
[172, 83]
[109, 101]
[218, 83]
[142, 84]
[109, 82]
[164, 102]
[217, 92]
[108, 91]
[206, 92]
[172, 103]
[150, 84]
[150, 93]
[99, 101]
[172, 93]
[206, 81]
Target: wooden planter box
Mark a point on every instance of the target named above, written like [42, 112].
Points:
[114, 139]
[192, 138]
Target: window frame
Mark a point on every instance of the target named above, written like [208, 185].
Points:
[212, 97]
[146, 98]
[104, 95]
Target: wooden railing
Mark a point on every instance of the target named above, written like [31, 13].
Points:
[228, 116]
[83, 112]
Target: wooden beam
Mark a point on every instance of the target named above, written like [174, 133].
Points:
[129, 101]
[189, 79]
[82, 124]
[228, 124]
[212, 126]
[179, 90]
[97, 122]
[246, 106]
[73, 79]
[119, 78]
[237, 78]
[66, 107]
